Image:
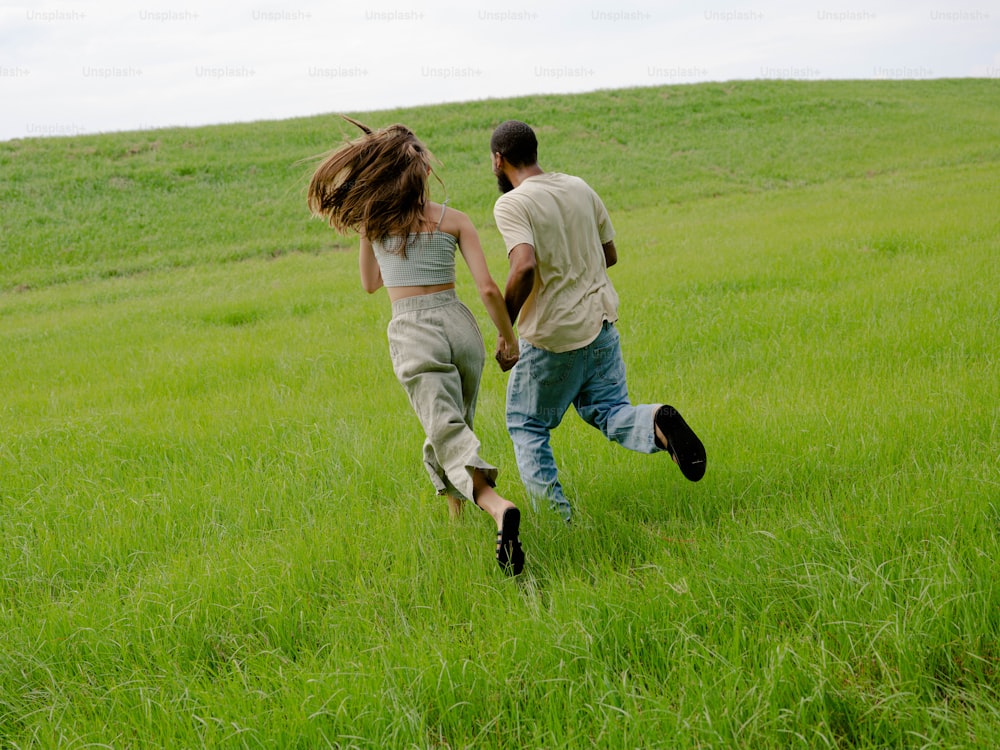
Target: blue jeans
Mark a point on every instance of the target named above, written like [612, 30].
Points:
[542, 386]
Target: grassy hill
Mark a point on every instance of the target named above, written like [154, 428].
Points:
[217, 532]
[117, 204]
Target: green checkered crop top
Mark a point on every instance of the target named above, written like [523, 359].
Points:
[429, 259]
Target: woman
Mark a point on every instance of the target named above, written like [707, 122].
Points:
[377, 186]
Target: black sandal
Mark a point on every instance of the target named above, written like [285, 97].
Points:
[684, 446]
[510, 555]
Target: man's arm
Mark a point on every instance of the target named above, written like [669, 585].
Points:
[520, 280]
[610, 253]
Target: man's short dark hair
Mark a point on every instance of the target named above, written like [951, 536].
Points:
[515, 141]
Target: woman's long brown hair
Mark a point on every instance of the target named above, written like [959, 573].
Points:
[376, 185]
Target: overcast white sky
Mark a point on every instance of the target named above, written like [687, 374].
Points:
[82, 66]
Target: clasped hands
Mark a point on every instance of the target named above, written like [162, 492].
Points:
[505, 357]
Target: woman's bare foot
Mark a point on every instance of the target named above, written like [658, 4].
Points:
[455, 506]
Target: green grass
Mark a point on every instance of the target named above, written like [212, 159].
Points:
[217, 532]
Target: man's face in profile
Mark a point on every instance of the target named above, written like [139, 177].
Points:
[504, 184]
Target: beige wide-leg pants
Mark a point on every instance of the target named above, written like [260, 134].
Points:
[438, 355]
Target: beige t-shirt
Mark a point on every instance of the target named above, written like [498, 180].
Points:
[566, 223]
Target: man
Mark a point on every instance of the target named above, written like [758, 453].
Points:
[560, 243]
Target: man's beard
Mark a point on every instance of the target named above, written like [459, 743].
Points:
[504, 184]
